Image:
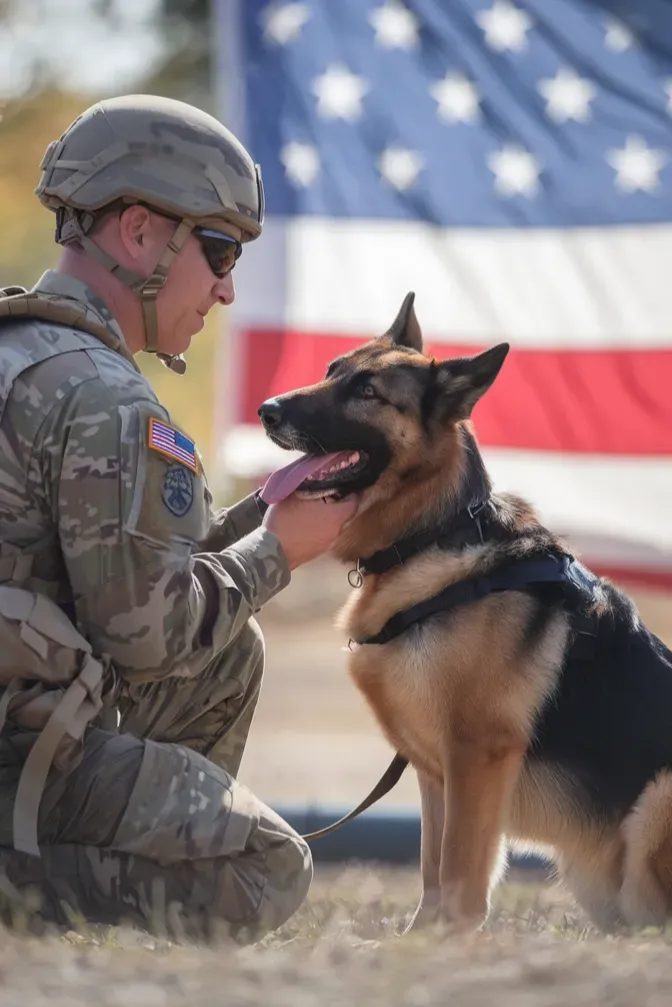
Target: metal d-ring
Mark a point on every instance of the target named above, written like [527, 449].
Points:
[355, 577]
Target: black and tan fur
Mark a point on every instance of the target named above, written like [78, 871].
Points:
[513, 742]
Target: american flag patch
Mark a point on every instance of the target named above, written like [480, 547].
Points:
[171, 443]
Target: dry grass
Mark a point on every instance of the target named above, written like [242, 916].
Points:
[342, 948]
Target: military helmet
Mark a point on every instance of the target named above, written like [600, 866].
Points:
[164, 153]
[159, 151]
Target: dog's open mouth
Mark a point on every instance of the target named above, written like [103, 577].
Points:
[315, 476]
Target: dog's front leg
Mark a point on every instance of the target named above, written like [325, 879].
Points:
[479, 778]
[432, 826]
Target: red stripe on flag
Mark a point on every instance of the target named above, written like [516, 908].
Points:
[583, 401]
[633, 577]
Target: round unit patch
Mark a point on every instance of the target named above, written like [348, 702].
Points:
[178, 490]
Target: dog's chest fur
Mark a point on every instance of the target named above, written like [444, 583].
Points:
[459, 677]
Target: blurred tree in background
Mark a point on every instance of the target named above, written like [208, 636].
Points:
[185, 71]
[56, 59]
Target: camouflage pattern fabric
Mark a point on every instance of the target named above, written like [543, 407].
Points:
[118, 526]
[156, 834]
[115, 526]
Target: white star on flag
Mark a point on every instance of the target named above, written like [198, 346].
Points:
[637, 165]
[302, 163]
[339, 93]
[395, 26]
[400, 167]
[568, 96]
[516, 171]
[619, 36]
[282, 22]
[457, 98]
[505, 26]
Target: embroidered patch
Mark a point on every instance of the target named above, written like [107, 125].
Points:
[170, 442]
[177, 492]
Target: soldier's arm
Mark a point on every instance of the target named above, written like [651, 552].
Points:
[129, 518]
[230, 524]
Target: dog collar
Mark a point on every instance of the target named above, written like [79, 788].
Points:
[403, 550]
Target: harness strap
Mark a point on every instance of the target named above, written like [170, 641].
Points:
[515, 576]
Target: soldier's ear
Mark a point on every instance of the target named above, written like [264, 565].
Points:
[136, 230]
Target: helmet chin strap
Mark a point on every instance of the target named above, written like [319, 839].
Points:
[147, 287]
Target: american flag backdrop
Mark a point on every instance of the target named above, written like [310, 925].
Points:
[511, 162]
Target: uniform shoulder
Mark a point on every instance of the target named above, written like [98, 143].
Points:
[49, 371]
[60, 358]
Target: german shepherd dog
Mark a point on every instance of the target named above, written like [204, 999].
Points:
[535, 718]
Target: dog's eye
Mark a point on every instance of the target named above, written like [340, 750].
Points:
[366, 391]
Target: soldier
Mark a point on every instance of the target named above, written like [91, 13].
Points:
[119, 589]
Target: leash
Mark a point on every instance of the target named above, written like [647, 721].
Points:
[388, 780]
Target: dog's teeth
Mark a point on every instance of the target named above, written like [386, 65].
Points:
[334, 467]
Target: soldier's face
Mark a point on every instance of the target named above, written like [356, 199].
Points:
[190, 292]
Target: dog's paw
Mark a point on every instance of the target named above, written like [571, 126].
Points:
[444, 917]
[427, 914]
[422, 918]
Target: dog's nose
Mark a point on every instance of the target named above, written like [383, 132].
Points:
[270, 412]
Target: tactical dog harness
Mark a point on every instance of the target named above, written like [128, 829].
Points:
[573, 581]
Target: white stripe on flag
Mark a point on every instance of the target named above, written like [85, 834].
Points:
[539, 288]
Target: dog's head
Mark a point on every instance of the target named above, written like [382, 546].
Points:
[392, 412]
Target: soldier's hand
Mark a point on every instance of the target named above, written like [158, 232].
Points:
[308, 528]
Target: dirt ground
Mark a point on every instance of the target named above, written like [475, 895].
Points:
[343, 948]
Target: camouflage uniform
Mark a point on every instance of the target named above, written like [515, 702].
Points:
[149, 825]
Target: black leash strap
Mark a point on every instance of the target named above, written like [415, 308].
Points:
[388, 780]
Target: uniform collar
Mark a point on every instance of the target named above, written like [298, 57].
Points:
[53, 282]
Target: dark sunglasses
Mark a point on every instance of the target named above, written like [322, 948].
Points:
[221, 251]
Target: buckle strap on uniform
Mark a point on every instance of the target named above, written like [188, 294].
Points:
[13, 689]
[74, 710]
[16, 568]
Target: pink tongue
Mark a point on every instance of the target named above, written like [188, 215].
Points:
[283, 482]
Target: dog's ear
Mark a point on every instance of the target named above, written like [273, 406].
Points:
[460, 383]
[405, 330]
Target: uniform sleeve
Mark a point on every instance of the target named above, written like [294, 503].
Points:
[131, 507]
[230, 524]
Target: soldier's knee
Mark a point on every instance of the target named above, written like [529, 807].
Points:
[291, 881]
[271, 900]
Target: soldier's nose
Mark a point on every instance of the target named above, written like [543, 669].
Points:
[270, 412]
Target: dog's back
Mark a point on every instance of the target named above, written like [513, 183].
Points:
[608, 723]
